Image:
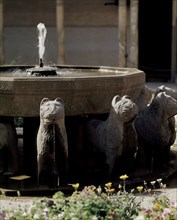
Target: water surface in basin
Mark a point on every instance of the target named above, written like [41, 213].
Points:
[71, 72]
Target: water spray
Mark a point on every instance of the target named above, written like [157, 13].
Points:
[42, 32]
[41, 70]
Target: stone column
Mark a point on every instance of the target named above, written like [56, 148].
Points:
[1, 33]
[174, 43]
[60, 30]
[122, 33]
[133, 34]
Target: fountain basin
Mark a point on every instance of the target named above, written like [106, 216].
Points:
[85, 90]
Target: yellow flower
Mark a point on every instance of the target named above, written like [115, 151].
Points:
[75, 186]
[111, 190]
[123, 177]
[91, 188]
[108, 185]
[157, 206]
[139, 188]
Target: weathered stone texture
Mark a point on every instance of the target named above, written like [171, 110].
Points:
[107, 136]
[52, 143]
[155, 129]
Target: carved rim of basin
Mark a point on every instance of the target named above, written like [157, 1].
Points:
[85, 90]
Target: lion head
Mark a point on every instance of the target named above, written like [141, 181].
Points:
[51, 111]
[167, 104]
[124, 107]
[167, 90]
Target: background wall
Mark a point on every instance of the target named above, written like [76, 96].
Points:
[90, 29]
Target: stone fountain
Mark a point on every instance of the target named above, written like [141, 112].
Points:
[87, 91]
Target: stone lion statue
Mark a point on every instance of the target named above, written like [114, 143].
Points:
[52, 144]
[172, 93]
[155, 131]
[9, 149]
[144, 98]
[107, 136]
[167, 90]
[126, 162]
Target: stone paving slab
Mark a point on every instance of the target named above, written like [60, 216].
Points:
[146, 200]
[8, 203]
[154, 85]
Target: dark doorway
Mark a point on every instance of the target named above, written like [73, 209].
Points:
[155, 32]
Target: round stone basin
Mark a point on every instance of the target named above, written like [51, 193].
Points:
[85, 90]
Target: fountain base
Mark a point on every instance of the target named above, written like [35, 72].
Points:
[42, 71]
[87, 93]
[85, 90]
